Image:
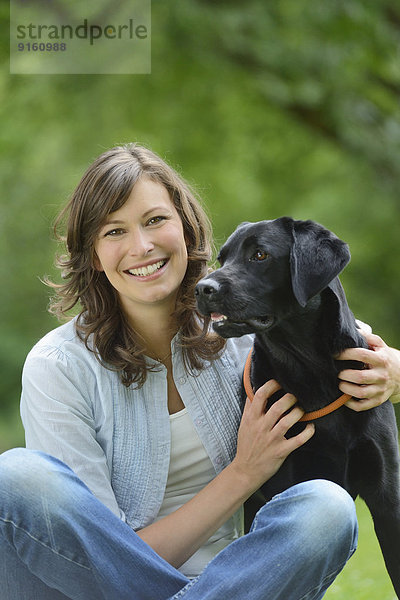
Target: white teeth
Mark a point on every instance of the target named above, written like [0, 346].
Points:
[143, 271]
[218, 319]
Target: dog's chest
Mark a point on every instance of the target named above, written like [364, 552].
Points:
[313, 385]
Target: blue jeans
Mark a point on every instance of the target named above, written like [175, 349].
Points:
[58, 541]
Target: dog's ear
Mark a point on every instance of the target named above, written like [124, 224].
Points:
[317, 256]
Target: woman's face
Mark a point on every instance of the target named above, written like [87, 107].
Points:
[141, 249]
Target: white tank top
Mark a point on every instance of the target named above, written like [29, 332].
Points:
[190, 469]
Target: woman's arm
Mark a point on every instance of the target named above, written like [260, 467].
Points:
[58, 419]
[262, 448]
[376, 384]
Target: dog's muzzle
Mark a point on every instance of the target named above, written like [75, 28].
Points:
[209, 297]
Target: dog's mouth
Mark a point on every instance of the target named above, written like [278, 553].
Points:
[222, 323]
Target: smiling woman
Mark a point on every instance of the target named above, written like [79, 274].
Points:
[132, 211]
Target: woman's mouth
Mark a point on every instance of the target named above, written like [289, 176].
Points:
[144, 272]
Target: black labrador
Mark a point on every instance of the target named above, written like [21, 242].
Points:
[279, 280]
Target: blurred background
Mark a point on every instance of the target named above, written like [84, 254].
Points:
[268, 109]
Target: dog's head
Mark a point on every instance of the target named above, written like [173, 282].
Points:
[269, 270]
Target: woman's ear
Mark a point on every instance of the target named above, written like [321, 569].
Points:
[96, 262]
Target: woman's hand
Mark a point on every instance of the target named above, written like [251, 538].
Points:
[262, 446]
[378, 382]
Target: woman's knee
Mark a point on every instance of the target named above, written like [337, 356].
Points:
[317, 513]
[26, 474]
[328, 515]
[21, 463]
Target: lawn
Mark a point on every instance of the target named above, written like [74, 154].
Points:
[364, 577]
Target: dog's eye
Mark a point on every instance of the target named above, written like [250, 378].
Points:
[259, 255]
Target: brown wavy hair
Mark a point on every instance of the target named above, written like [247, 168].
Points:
[101, 322]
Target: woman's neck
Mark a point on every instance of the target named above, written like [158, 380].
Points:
[156, 328]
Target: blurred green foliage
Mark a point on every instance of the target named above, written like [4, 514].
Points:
[277, 108]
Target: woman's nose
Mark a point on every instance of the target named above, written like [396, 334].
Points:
[140, 244]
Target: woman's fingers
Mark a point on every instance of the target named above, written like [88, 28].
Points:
[301, 438]
[283, 411]
[364, 355]
[379, 381]
[276, 412]
[263, 394]
[285, 420]
[363, 404]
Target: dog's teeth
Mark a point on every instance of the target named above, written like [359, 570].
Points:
[216, 317]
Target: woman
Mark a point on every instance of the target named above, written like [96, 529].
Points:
[136, 408]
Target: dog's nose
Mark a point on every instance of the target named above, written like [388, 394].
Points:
[207, 287]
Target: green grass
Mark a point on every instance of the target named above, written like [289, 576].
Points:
[365, 576]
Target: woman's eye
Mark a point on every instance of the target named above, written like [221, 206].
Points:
[155, 220]
[259, 255]
[113, 232]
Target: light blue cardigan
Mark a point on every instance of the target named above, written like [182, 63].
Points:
[117, 439]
